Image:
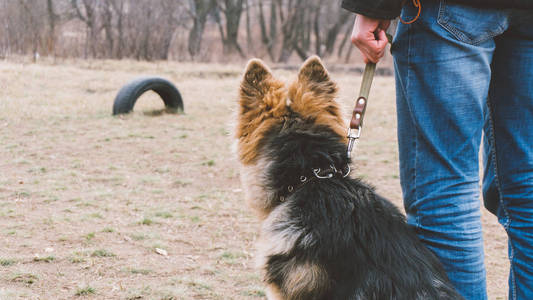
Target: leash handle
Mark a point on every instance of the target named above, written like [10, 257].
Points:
[356, 123]
[360, 104]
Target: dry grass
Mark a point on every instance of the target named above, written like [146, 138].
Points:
[87, 198]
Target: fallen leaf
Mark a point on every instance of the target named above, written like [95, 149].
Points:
[161, 251]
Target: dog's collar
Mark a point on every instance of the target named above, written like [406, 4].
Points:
[315, 174]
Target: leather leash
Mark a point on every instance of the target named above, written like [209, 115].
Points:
[356, 123]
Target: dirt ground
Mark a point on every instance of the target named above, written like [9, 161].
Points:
[149, 205]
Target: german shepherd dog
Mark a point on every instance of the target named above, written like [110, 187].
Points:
[324, 234]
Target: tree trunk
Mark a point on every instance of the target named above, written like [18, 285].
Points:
[199, 11]
[273, 28]
[119, 12]
[291, 24]
[108, 29]
[316, 30]
[268, 39]
[90, 23]
[249, 44]
[232, 13]
[165, 44]
[345, 39]
[52, 20]
[145, 43]
[333, 32]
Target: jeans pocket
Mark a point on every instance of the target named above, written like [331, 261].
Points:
[472, 25]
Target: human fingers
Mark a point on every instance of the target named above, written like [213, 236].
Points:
[369, 38]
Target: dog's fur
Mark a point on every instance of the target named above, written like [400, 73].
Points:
[329, 238]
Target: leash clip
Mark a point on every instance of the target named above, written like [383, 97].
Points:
[353, 137]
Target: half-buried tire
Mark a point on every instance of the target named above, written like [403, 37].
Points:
[128, 94]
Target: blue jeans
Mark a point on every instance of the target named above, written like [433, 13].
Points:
[463, 73]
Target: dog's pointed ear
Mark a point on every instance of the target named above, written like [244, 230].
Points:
[313, 95]
[262, 103]
[260, 91]
[314, 75]
[254, 85]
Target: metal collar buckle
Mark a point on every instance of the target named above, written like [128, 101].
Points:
[328, 175]
[332, 171]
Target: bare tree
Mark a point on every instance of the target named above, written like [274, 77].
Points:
[232, 10]
[167, 23]
[34, 25]
[336, 27]
[116, 8]
[107, 24]
[249, 43]
[88, 16]
[291, 16]
[52, 21]
[5, 47]
[199, 9]
[281, 30]
[268, 38]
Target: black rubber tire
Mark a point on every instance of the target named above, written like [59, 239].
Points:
[128, 94]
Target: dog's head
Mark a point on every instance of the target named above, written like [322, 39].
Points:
[265, 104]
[277, 125]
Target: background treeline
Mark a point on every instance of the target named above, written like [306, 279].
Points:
[185, 30]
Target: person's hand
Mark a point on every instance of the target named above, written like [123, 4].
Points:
[369, 36]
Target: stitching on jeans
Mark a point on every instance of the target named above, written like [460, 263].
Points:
[409, 38]
[507, 224]
[458, 34]
[405, 88]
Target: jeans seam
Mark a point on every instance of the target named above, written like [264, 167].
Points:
[507, 223]
[415, 142]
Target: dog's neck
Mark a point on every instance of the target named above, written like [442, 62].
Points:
[313, 175]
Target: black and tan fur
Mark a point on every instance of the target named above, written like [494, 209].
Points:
[329, 238]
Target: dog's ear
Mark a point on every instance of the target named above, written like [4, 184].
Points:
[313, 95]
[253, 85]
[263, 103]
[260, 91]
[315, 77]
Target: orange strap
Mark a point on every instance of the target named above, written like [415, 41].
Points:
[416, 3]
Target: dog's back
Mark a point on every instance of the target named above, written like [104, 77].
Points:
[324, 235]
[346, 241]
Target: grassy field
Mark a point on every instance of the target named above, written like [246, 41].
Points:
[149, 205]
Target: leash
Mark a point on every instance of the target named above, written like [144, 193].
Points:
[356, 123]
